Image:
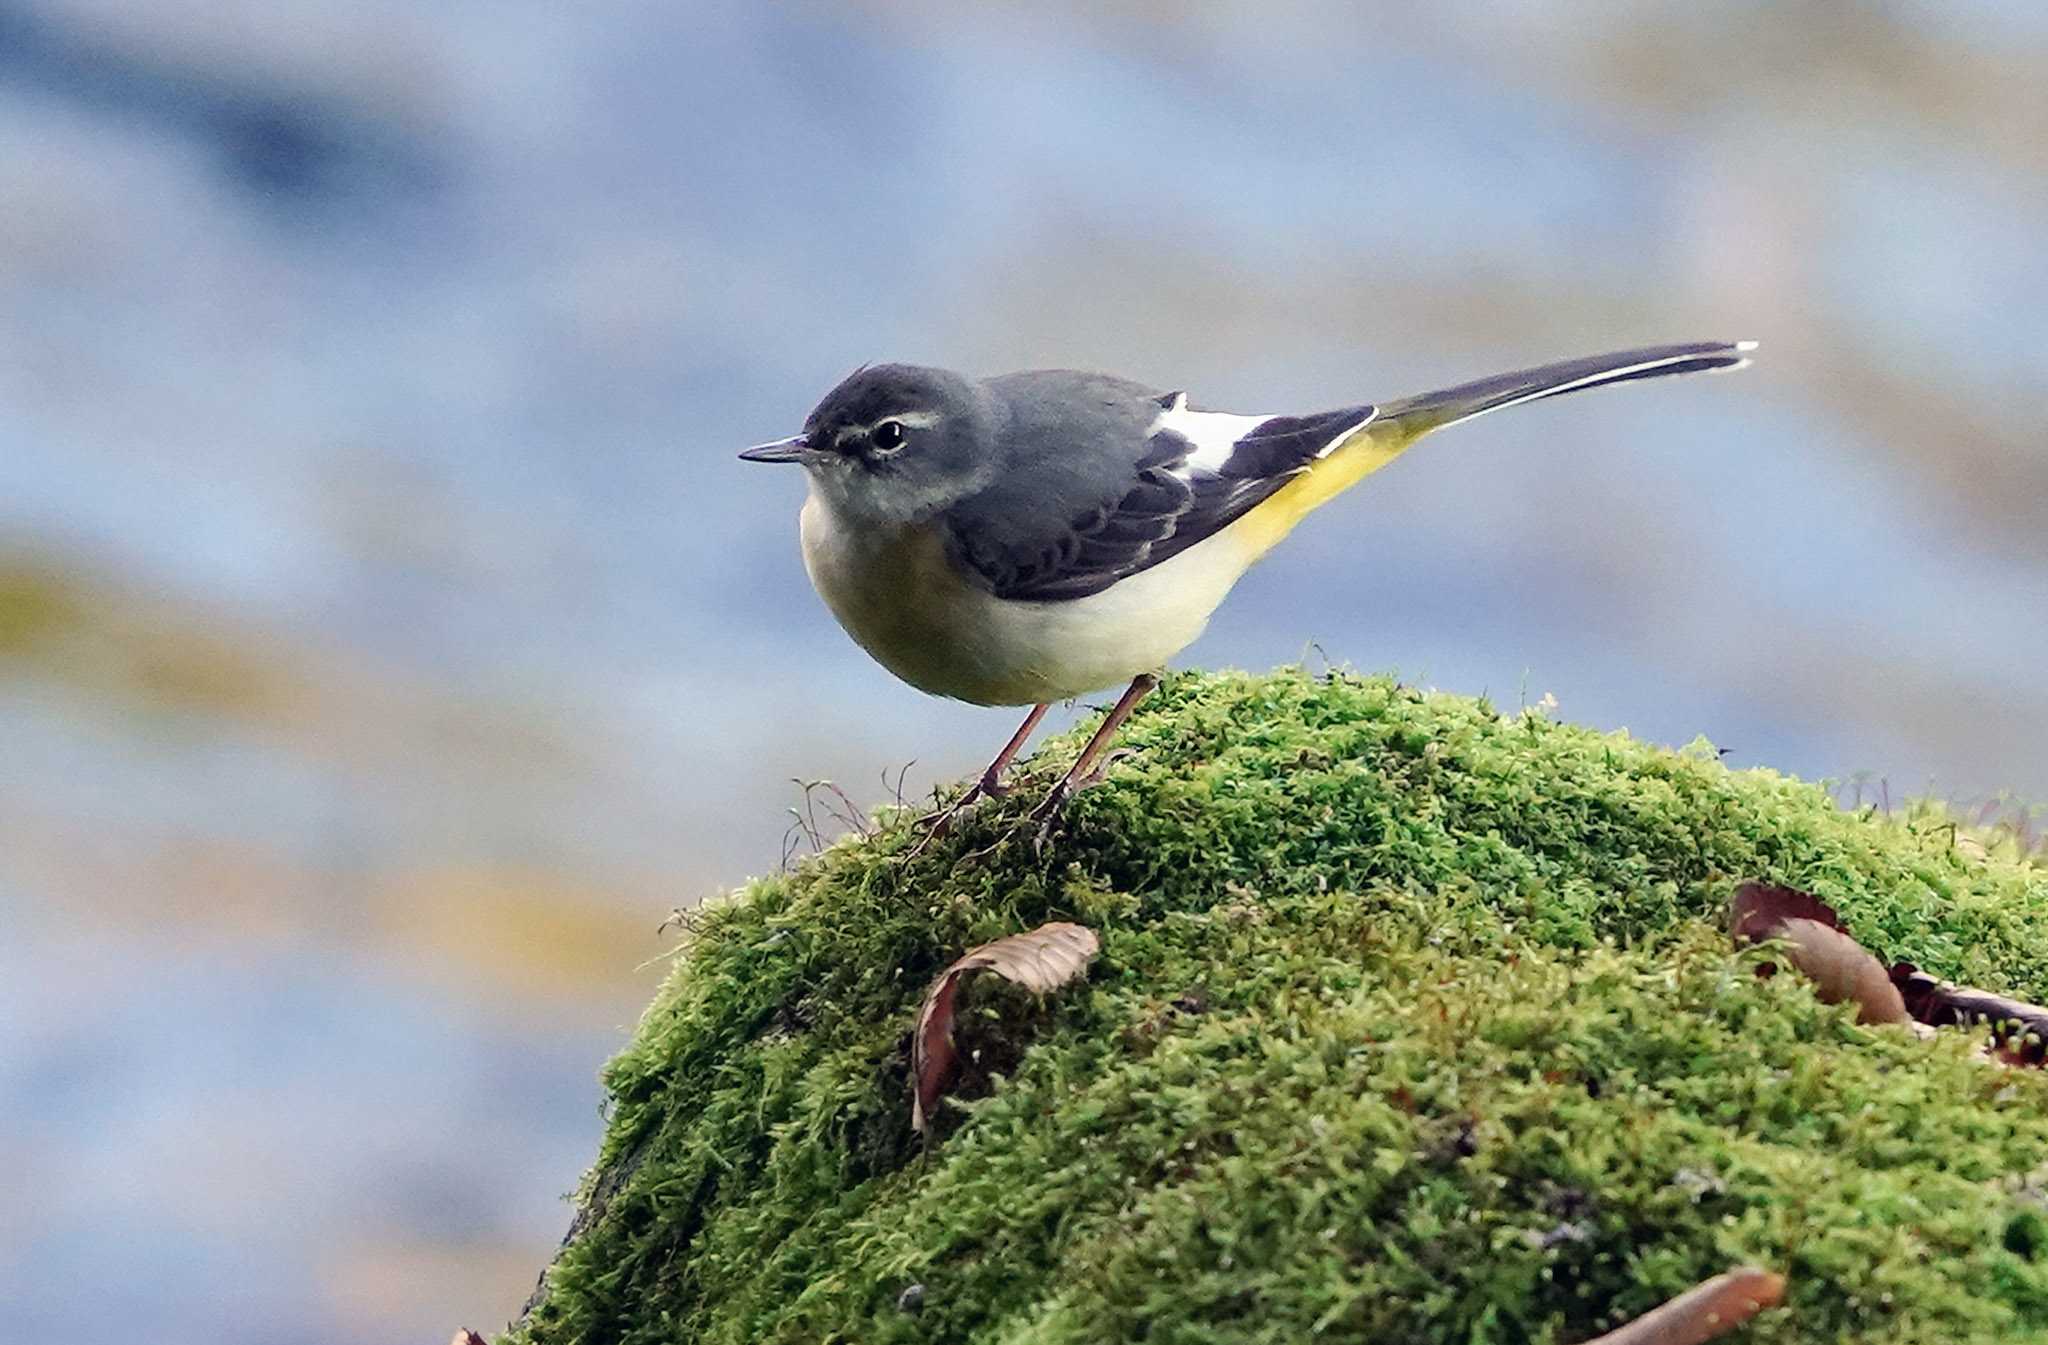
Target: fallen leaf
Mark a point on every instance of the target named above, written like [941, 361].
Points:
[1842, 970]
[1759, 908]
[1040, 960]
[1706, 1310]
[467, 1337]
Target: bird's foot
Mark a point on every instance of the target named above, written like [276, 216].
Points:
[1101, 768]
[939, 821]
[1047, 813]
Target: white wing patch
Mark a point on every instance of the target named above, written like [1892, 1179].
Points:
[1216, 435]
[1213, 433]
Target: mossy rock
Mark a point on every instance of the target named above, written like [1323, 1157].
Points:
[1414, 1021]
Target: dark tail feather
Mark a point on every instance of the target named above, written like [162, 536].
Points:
[1433, 410]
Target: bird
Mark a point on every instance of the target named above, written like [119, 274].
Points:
[1032, 537]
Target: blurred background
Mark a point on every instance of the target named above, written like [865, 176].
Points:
[389, 639]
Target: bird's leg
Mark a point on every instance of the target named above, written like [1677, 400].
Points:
[990, 785]
[1084, 771]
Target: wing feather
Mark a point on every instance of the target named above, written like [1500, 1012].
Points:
[1071, 515]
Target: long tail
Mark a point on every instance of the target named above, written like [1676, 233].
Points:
[1417, 416]
[1398, 424]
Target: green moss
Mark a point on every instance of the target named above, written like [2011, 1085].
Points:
[1413, 1022]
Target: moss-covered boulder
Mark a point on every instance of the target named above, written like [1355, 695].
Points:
[1414, 1021]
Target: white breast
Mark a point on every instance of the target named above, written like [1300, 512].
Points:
[902, 601]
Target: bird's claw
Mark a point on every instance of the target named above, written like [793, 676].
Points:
[939, 821]
[1101, 769]
[1047, 813]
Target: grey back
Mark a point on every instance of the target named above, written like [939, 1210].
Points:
[1089, 491]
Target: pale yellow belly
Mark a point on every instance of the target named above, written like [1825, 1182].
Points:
[902, 601]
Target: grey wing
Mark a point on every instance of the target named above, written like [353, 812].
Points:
[1103, 479]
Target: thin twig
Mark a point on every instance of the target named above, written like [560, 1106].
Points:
[901, 777]
[811, 814]
[846, 813]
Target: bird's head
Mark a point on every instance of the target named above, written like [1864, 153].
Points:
[893, 443]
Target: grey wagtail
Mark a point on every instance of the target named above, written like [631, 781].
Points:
[1025, 539]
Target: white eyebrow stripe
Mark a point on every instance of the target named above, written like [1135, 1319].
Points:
[909, 420]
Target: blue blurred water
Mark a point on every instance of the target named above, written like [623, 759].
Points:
[369, 379]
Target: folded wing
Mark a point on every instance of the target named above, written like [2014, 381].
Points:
[1107, 479]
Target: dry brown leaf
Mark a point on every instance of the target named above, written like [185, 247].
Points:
[1759, 908]
[1706, 1310]
[467, 1337]
[1042, 959]
[1843, 971]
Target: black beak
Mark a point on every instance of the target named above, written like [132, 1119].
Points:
[793, 449]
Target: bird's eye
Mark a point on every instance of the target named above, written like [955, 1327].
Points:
[887, 437]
